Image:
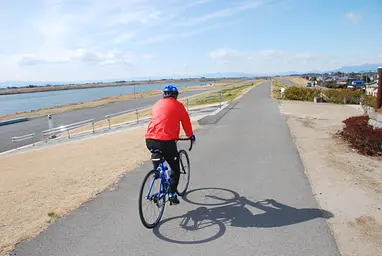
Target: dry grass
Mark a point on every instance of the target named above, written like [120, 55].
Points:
[276, 86]
[225, 83]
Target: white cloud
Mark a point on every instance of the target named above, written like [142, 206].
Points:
[265, 60]
[222, 13]
[148, 56]
[83, 55]
[271, 53]
[96, 39]
[156, 39]
[182, 35]
[31, 59]
[225, 53]
[353, 17]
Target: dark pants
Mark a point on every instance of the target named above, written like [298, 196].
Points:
[170, 154]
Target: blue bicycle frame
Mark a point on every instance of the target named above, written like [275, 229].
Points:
[161, 168]
[163, 181]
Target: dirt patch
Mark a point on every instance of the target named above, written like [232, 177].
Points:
[38, 186]
[344, 182]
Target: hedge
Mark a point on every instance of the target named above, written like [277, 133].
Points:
[370, 100]
[339, 96]
[300, 93]
[343, 96]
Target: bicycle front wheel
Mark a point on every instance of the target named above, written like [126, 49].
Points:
[184, 177]
[151, 201]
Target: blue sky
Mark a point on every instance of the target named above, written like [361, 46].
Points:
[71, 40]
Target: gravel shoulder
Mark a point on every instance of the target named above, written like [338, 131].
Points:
[345, 183]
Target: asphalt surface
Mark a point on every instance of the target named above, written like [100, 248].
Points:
[98, 113]
[247, 157]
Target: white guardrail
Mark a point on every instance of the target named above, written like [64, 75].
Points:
[136, 110]
[66, 128]
[24, 137]
[51, 133]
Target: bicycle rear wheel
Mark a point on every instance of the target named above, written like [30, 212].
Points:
[149, 197]
[184, 177]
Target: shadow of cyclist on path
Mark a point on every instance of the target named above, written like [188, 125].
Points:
[238, 211]
[275, 214]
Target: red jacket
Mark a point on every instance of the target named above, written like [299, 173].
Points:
[166, 116]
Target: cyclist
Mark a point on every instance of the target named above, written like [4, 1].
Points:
[163, 131]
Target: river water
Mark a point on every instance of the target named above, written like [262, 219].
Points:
[13, 103]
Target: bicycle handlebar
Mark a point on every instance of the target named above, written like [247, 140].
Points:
[189, 140]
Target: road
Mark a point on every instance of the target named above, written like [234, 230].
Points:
[39, 124]
[247, 157]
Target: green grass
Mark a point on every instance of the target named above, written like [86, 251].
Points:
[52, 215]
[229, 94]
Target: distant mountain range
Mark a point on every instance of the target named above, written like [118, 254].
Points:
[347, 69]
[359, 68]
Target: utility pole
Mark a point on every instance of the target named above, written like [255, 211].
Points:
[379, 94]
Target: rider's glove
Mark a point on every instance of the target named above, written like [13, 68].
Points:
[193, 138]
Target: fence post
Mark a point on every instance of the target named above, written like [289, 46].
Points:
[221, 98]
[93, 127]
[109, 122]
[68, 134]
[187, 105]
[379, 93]
[137, 115]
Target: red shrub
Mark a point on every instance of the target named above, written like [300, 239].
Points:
[362, 136]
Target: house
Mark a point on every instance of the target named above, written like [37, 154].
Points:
[372, 88]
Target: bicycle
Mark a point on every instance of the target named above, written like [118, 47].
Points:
[162, 175]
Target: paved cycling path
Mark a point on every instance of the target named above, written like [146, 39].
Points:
[244, 159]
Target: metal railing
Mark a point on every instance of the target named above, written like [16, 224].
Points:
[136, 110]
[52, 133]
[66, 128]
[23, 137]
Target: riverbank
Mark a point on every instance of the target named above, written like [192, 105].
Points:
[106, 100]
[49, 88]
